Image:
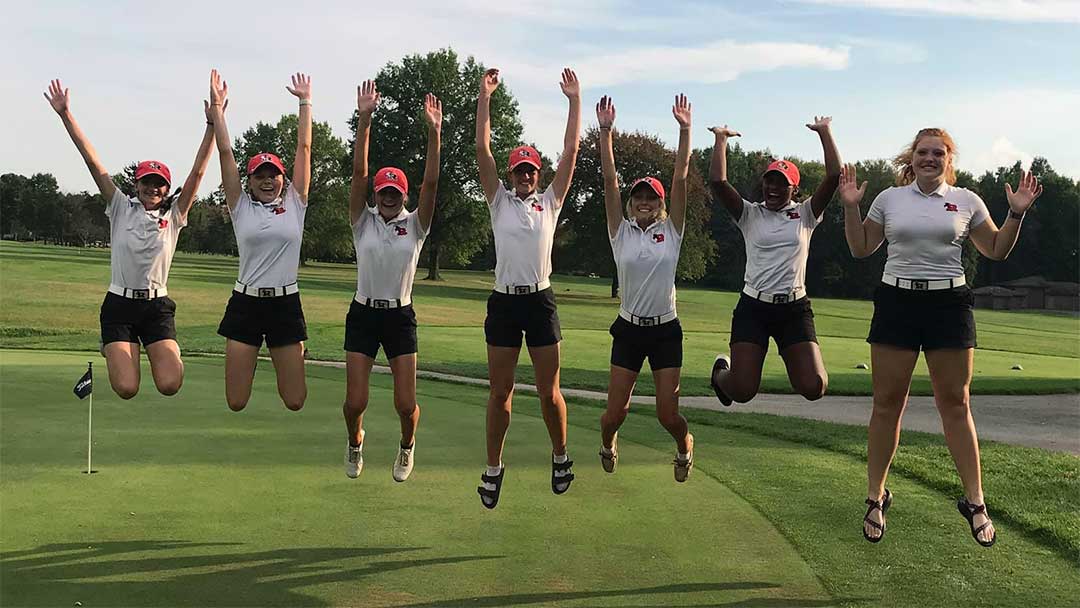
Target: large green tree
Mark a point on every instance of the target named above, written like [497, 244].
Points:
[326, 226]
[461, 226]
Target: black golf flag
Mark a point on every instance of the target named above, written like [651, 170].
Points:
[85, 385]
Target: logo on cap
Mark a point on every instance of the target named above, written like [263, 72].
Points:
[154, 165]
[390, 175]
[524, 153]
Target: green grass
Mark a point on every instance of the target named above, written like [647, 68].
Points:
[196, 505]
[50, 297]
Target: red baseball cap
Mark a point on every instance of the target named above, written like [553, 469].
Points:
[785, 168]
[524, 154]
[651, 182]
[153, 167]
[263, 158]
[391, 177]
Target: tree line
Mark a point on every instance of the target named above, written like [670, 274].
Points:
[713, 254]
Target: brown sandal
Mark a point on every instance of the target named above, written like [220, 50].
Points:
[881, 505]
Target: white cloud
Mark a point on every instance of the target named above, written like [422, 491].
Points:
[1003, 152]
[1000, 10]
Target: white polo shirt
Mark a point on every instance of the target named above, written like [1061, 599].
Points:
[268, 238]
[777, 245]
[143, 242]
[645, 261]
[386, 254]
[926, 232]
[524, 232]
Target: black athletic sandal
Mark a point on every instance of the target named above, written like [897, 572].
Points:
[492, 495]
[563, 467]
[969, 511]
[721, 363]
[883, 506]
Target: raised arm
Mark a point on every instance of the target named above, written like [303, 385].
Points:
[430, 185]
[190, 188]
[571, 139]
[489, 175]
[230, 175]
[605, 115]
[677, 208]
[722, 190]
[997, 243]
[301, 179]
[824, 193]
[367, 99]
[60, 100]
[863, 236]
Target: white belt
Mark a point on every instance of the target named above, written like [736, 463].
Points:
[521, 290]
[647, 321]
[923, 284]
[775, 298]
[138, 294]
[266, 292]
[380, 303]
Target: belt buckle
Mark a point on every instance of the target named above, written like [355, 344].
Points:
[780, 298]
[380, 303]
[522, 290]
[647, 321]
[140, 294]
[267, 292]
[920, 285]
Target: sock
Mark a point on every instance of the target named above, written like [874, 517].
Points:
[605, 451]
[494, 471]
[408, 447]
[685, 456]
[560, 458]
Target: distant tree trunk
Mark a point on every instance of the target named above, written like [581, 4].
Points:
[614, 284]
[433, 264]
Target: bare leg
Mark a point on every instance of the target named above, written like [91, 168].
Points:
[291, 382]
[742, 380]
[404, 370]
[806, 370]
[357, 376]
[552, 405]
[667, 406]
[620, 388]
[502, 363]
[240, 362]
[122, 361]
[891, 369]
[166, 366]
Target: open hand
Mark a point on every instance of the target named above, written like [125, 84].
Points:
[301, 85]
[219, 90]
[605, 112]
[850, 192]
[821, 123]
[58, 97]
[681, 111]
[433, 111]
[570, 86]
[367, 97]
[1026, 193]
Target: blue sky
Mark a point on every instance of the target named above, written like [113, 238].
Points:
[1000, 74]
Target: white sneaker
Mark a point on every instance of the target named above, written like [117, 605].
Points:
[354, 458]
[404, 463]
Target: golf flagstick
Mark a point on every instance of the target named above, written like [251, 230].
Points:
[85, 388]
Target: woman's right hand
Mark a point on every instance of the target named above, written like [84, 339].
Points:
[219, 90]
[724, 131]
[605, 112]
[489, 82]
[58, 97]
[851, 194]
[367, 97]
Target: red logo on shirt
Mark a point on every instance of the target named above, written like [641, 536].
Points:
[951, 207]
[658, 238]
[537, 207]
[162, 224]
[279, 209]
[793, 215]
[400, 230]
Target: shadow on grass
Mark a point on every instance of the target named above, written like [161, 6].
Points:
[522, 599]
[119, 573]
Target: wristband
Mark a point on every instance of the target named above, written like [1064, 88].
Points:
[305, 102]
[209, 123]
[605, 128]
[1016, 216]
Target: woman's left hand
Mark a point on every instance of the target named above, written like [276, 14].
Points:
[682, 110]
[301, 86]
[433, 111]
[1026, 193]
[820, 124]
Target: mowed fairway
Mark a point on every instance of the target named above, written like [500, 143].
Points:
[50, 297]
[194, 505]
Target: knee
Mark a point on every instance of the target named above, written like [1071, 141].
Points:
[741, 392]
[549, 398]
[814, 388]
[953, 403]
[294, 404]
[236, 403]
[170, 387]
[355, 405]
[614, 416]
[126, 390]
[668, 418]
[500, 395]
[405, 407]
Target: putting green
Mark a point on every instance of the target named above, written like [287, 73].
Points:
[197, 505]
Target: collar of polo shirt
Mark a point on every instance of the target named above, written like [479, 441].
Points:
[656, 224]
[403, 214]
[939, 191]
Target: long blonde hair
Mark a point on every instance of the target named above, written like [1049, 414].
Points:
[905, 171]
